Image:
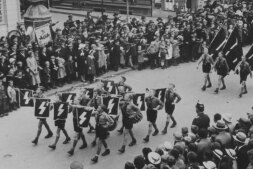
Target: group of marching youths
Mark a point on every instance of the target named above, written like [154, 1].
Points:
[83, 50]
[105, 122]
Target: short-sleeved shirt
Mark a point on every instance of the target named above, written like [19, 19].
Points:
[153, 102]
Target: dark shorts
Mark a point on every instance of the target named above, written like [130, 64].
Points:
[127, 123]
[151, 115]
[206, 68]
[169, 108]
[60, 123]
[101, 132]
[222, 72]
[243, 77]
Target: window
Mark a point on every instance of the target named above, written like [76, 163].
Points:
[2, 12]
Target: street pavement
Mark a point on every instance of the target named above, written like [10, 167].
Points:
[20, 127]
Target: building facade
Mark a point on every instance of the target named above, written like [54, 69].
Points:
[9, 15]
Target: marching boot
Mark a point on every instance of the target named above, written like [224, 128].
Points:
[71, 151]
[95, 159]
[209, 85]
[174, 122]
[35, 141]
[84, 142]
[91, 129]
[49, 135]
[106, 152]
[146, 139]
[203, 88]
[122, 149]
[67, 140]
[155, 132]
[53, 147]
[132, 143]
[223, 87]
[216, 91]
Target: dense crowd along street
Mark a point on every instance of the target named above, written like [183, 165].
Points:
[196, 124]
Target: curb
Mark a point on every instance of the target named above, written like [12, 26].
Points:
[79, 84]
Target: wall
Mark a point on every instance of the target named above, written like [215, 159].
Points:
[12, 16]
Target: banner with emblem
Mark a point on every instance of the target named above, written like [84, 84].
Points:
[26, 98]
[43, 35]
[112, 104]
[42, 108]
[139, 100]
[110, 86]
[61, 110]
[82, 116]
[89, 93]
[160, 94]
[68, 97]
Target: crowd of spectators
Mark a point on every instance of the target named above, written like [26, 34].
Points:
[221, 144]
[86, 49]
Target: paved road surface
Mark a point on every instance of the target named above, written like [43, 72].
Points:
[19, 128]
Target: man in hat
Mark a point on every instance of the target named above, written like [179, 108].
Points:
[128, 110]
[202, 120]
[65, 30]
[70, 21]
[241, 149]
[203, 144]
[154, 104]
[223, 136]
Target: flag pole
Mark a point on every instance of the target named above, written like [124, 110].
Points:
[215, 36]
[228, 38]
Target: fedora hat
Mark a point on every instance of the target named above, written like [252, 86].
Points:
[178, 136]
[218, 153]
[168, 145]
[240, 137]
[154, 158]
[227, 117]
[231, 153]
[209, 165]
[220, 125]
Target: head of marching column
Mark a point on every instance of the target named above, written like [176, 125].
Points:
[76, 165]
[171, 86]
[151, 92]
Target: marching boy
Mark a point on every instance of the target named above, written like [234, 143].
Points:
[60, 124]
[11, 92]
[103, 121]
[42, 121]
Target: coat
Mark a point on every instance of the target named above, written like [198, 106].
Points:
[32, 65]
[91, 66]
[81, 62]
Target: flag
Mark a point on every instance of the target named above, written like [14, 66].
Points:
[139, 100]
[233, 49]
[42, 108]
[68, 97]
[61, 110]
[26, 98]
[218, 42]
[112, 105]
[249, 57]
[160, 94]
[82, 116]
[110, 86]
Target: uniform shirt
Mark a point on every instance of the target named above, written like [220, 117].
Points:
[153, 102]
[128, 109]
[103, 120]
[171, 96]
[202, 121]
